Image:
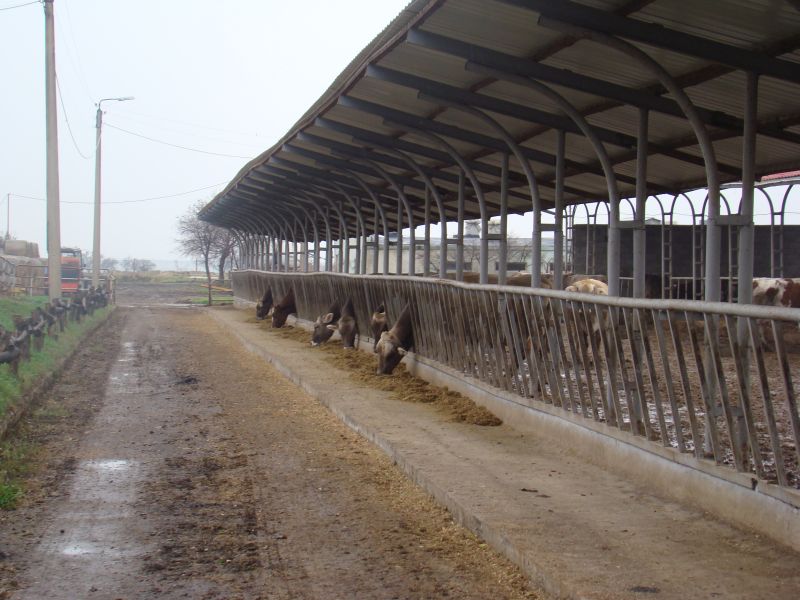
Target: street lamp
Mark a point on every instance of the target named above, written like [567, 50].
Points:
[96, 244]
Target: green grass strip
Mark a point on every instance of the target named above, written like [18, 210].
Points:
[41, 363]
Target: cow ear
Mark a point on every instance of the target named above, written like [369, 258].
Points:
[333, 327]
[401, 351]
[327, 318]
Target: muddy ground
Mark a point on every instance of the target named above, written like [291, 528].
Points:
[170, 463]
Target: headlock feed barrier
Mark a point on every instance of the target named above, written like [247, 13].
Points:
[666, 370]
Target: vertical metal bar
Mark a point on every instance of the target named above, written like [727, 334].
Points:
[769, 410]
[558, 239]
[426, 249]
[746, 231]
[704, 373]
[376, 247]
[639, 231]
[743, 378]
[788, 387]
[460, 229]
[399, 242]
[503, 250]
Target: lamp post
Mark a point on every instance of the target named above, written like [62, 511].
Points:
[96, 243]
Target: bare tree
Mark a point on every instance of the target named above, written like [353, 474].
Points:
[200, 239]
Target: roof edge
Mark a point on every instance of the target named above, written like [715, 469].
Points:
[392, 34]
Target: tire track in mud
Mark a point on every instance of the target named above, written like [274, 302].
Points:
[223, 480]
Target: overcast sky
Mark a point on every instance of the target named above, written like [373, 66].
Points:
[223, 79]
[226, 77]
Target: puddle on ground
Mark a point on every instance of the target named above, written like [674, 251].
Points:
[110, 465]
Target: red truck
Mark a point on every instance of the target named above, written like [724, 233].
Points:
[73, 277]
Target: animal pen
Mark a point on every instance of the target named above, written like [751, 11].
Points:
[588, 116]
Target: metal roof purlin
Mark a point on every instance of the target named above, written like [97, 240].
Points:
[656, 35]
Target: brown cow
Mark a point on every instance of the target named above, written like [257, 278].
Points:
[283, 309]
[324, 325]
[347, 325]
[264, 307]
[395, 343]
[378, 324]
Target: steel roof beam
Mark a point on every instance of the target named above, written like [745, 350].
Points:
[366, 137]
[513, 65]
[496, 105]
[322, 178]
[460, 96]
[659, 36]
[361, 152]
[408, 120]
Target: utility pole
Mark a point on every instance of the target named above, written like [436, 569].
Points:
[53, 205]
[97, 189]
[96, 238]
[8, 216]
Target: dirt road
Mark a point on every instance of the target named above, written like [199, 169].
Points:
[173, 464]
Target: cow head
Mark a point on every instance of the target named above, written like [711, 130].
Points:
[378, 325]
[393, 345]
[324, 327]
[283, 309]
[390, 353]
[347, 326]
[264, 307]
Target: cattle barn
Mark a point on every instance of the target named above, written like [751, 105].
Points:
[480, 109]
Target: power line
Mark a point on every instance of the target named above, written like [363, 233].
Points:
[66, 118]
[21, 5]
[208, 187]
[120, 114]
[139, 135]
[128, 112]
[77, 62]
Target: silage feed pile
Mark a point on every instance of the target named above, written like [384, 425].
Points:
[401, 384]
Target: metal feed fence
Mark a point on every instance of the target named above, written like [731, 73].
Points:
[674, 372]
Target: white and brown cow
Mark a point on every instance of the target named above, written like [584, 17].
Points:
[395, 343]
[596, 288]
[772, 291]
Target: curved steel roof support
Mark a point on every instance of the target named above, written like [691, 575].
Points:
[402, 203]
[605, 162]
[639, 231]
[257, 257]
[476, 185]
[359, 224]
[274, 235]
[379, 206]
[311, 220]
[536, 204]
[432, 189]
[342, 228]
[713, 232]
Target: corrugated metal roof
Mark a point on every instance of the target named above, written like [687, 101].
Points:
[398, 91]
